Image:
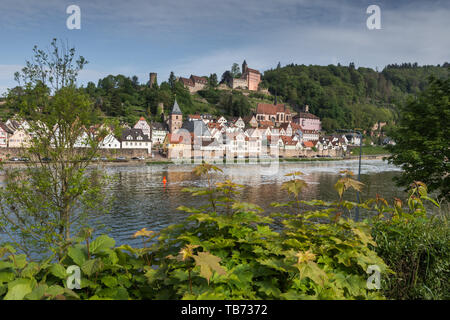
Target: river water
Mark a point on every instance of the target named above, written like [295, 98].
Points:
[142, 200]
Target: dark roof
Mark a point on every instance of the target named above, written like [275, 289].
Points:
[197, 127]
[135, 133]
[176, 108]
[159, 126]
[5, 127]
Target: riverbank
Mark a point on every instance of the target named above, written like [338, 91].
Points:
[167, 162]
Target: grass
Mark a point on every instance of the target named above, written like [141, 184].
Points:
[369, 150]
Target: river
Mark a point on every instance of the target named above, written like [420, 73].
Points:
[142, 200]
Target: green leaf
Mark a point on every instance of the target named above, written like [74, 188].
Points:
[109, 281]
[6, 276]
[101, 243]
[92, 266]
[78, 256]
[311, 270]
[55, 290]
[269, 287]
[18, 289]
[19, 260]
[37, 293]
[30, 270]
[58, 271]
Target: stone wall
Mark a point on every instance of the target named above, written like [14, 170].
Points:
[6, 153]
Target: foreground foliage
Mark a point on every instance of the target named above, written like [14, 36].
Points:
[417, 248]
[226, 249]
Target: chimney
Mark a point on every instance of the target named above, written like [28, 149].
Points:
[306, 108]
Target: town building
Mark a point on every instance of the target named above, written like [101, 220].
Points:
[307, 120]
[110, 142]
[277, 113]
[5, 133]
[135, 139]
[144, 126]
[19, 139]
[159, 132]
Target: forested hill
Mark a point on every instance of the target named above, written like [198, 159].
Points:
[342, 96]
[346, 97]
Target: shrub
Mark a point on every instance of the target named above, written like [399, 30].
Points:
[229, 250]
[417, 249]
[226, 249]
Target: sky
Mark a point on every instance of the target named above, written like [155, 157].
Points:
[201, 37]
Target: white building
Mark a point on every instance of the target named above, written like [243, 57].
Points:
[135, 139]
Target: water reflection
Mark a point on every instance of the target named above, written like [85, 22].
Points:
[142, 200]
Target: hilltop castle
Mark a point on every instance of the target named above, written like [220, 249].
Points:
[250, 79]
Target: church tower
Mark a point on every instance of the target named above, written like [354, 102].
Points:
[176, 118]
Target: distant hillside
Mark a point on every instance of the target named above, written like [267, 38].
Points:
[346, 97]
[342, 96]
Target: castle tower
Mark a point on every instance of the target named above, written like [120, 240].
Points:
[244, 67]
[175, 118]
[152, 78]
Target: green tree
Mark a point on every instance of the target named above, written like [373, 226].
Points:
[422, 136]
[235, 71]
[227, 78]
[43, 205]
[212, 81]
[172, 80]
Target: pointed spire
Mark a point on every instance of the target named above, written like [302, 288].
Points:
[176, 108]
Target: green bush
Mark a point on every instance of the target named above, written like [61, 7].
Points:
[416, 248]
[229, 249]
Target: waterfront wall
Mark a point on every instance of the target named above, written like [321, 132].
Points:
[6, 153]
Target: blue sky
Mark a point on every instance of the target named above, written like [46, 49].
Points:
[205, 36]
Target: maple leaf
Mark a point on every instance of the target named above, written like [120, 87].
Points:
[294, 186]
[143, 233]
[188, 251]
[305, 256]
[208, 263]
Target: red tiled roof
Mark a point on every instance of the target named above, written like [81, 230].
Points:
[214, 125]
[308, 144]
[267, 108]
[252, 70]
[306, 115]
[288, 140]
[177, 141]
[264, 124]
[199, 79]
[195, 116]
[187, 82]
